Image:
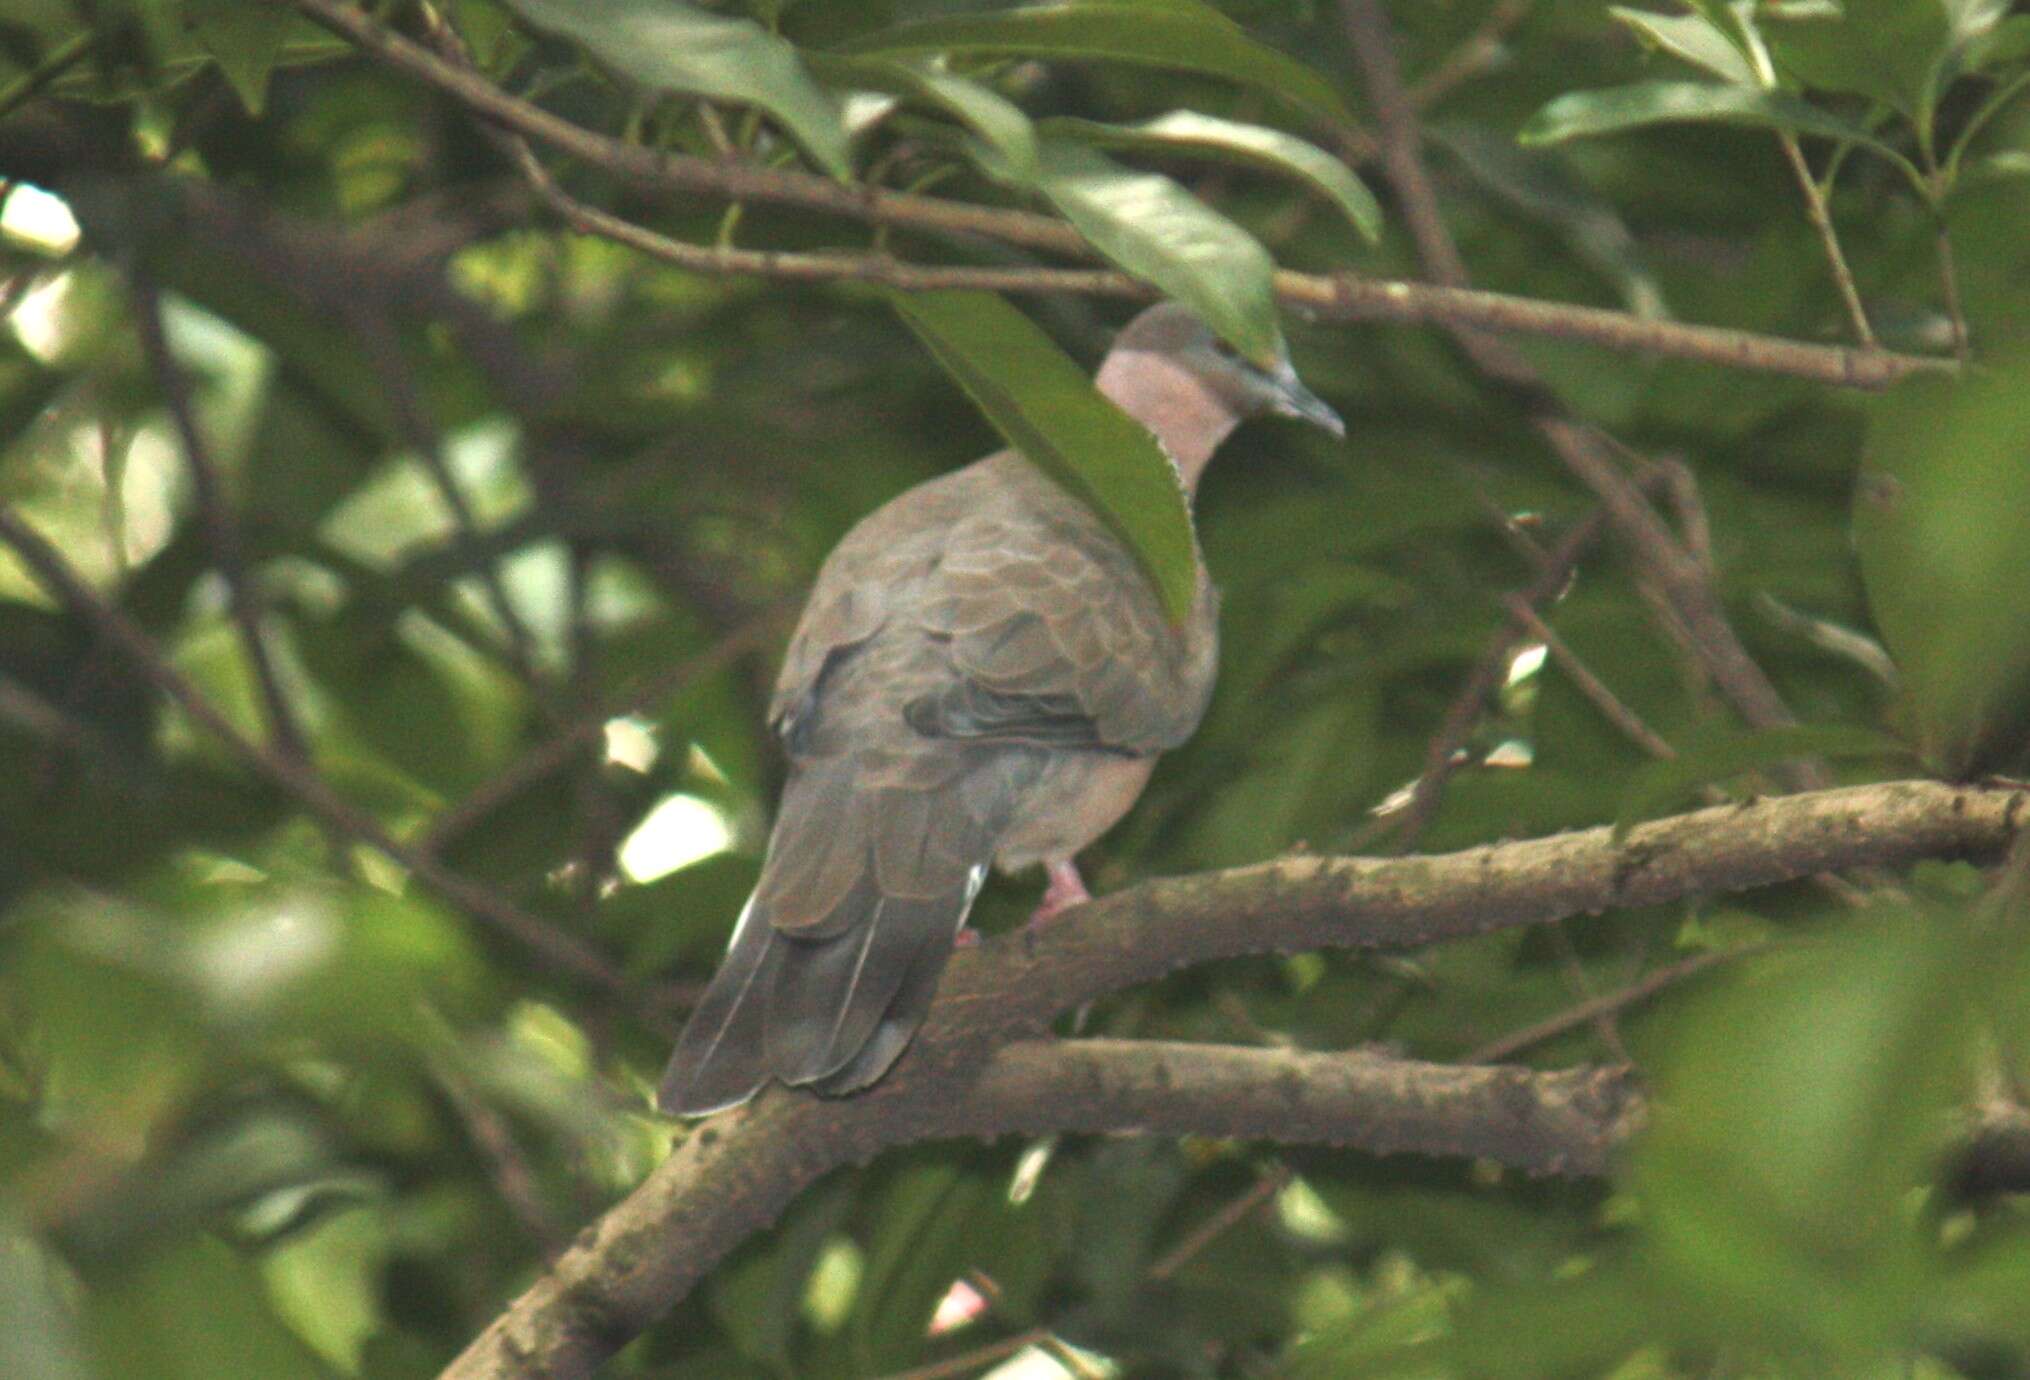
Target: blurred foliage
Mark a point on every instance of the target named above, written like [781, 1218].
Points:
[271, 1107]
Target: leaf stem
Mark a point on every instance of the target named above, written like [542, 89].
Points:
[1822, 221]
[60, 60]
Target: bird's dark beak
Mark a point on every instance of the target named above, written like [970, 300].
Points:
[1290, 398]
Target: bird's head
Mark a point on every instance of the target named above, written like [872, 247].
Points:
[1176, 335]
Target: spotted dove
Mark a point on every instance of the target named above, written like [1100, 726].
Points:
[982, 673]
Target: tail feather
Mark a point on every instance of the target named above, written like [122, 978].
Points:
[839, 951]
[829, 999]
[719, 1059]
[904, 1013]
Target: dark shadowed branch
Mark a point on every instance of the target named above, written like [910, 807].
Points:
[298, 779]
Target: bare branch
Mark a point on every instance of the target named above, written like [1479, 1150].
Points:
[1822, 221]
[285, 735]
[1336, 297]
[1608, 1003]
[979, 1066]
[1692, 597]
[1441, 755]
[554, 753]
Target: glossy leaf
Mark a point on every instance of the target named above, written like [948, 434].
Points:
[1148, 225]
[1184, 37]
[996, 121]
[1049, 410]
[1187, 131]
[1692, 38]
[1887, 50]
[669, 46]
[1583, 113]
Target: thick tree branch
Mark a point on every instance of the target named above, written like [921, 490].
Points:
[1338, 297]
[979, 1067]
[1562, 1122]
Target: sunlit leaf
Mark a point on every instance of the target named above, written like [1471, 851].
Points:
[670, 46]
[1049, 410]
[1185, 37]
[997, 121]
[1187, 131]
[1582, 113]
[1149, 225]
[1694, 39]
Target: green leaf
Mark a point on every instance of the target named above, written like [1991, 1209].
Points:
[1189, 131]
[1664, 783]
[675, 47]
[1694, 39]
[1942, 528]
[1583, 113]
[998, 122]
[1182, 37]
[198, 1311]
[37, 1342]
[246, 40]
[1887, 50]
[1797, 1107]
[1049, 410]
[1148, 225]
[2008, 42]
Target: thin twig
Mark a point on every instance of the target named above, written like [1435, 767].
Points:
[1508, 1046]
[59, 60]
[1342, 297]
[1603, 1022]
[1472, 57]
[965, 1363]
[1265, 1187]
[507, 1166]
[1581, 447]
[1631, 724]
[556, 752]
[285, 735]
[1822, 221]
[1949, 284]
[565, 952]
[383, 350]
[1442, 753]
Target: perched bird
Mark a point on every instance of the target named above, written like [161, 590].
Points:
[982, 673]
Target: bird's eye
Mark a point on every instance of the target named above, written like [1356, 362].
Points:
[1224, 350]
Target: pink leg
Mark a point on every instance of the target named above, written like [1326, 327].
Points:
[1066, 889]
[966, 938]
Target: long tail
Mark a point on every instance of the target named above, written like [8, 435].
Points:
[838, 952]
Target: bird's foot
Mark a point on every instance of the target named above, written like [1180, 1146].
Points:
[1066, 889]
[966, 938]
